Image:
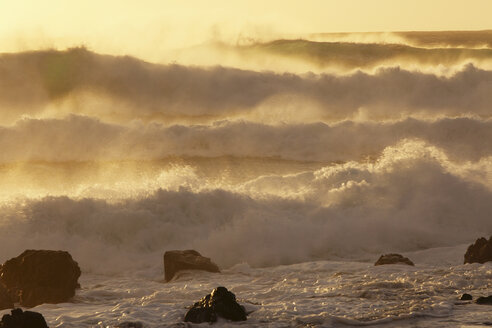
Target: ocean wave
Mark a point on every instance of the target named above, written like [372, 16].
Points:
[79, 138]
[121, 89]
[366, 55]
[411, 198]
[345, 52]
[433, 39]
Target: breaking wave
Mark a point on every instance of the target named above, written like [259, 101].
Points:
[364, 55]
[413, 197]
[429, 39]
[79, 138]
[122, 89]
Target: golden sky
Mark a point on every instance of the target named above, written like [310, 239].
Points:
[143, 25]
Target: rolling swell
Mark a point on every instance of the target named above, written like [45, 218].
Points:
[366, 55]
[430, 39]
[122, 89]
[462, 139]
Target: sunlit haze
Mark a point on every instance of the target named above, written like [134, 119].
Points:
[332, 159]
[150, 27]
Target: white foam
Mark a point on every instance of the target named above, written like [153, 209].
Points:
[411, 199]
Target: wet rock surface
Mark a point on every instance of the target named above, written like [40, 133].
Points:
[175, 261]
[219, 303]
[480, 251]
[23, 319]
[393, 259]
[40, 276]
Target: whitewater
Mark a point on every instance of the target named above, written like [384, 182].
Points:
[292, 163]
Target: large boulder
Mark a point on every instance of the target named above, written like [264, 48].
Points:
[219, 303]
[175, 261]
[480, 251]
[393, 259]
[40, 276]
[23, 319]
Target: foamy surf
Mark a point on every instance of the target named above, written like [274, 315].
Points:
[320, 294]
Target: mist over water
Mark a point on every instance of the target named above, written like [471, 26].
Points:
[385, 144]
[293, 163]
[51, 84]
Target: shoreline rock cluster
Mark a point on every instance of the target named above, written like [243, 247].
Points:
[46, 276]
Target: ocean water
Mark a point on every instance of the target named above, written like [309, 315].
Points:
[294, 165]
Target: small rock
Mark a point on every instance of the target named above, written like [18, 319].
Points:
[129, 324]
[220, 303]
[484, 300]
[393, 259]
[40, 276]
[466, 297]
[175, 261]
[480, 251]
[23, 319]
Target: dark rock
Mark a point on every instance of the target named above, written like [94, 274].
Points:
[393, 259]
[466, 297]
[23, 319]
[5, 300]
[480, 251]
[484, 300]
[220, 303]
[40, 276]
[129, 324]
[175, 261]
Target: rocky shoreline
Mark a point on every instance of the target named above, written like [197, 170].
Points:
[44, 276]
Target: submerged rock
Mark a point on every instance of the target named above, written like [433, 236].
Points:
[175, 261]
[393, 259]
[466, 297]
[219, 303]
[23, 319]
[40, 276]
[484, 300]
[480, 251]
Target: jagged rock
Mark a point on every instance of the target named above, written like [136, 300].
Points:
[175, 261]
[393, 259]
[484, 300]
[466, 297]
[23, 319]
[5, 300]
[40, 276]
[219, 303]
[480, 251]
